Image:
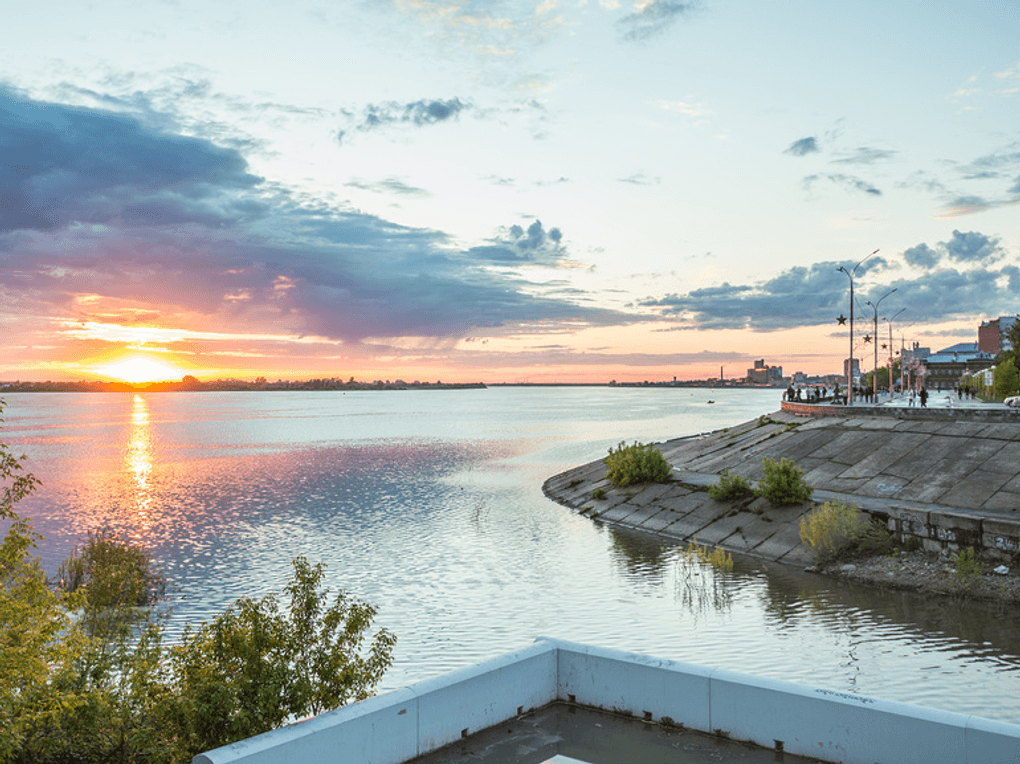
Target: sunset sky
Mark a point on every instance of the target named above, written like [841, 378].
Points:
[499, 191]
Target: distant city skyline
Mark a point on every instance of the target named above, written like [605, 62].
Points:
[493, 191]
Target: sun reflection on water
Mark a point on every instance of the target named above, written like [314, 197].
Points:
[139, 461]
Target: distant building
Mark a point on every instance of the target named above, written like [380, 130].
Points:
[946, 367]
[762, 374]
[854, 372]
[915, 353]
[993, 336]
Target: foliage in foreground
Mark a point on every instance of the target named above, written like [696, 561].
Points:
[718, 559]
[637, 463]
[837, 530]
[783, 482]
[85, 675]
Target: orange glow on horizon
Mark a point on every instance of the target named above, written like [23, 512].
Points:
[138, 369]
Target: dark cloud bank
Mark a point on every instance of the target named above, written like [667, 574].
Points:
[816, 295]
[95, 202]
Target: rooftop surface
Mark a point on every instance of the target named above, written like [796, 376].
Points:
[565, 734]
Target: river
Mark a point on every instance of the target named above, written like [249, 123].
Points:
[428, 505]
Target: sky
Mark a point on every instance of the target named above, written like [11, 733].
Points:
[455, 190]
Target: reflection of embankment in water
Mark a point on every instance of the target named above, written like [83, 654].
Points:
[991, 628]
[791, 597]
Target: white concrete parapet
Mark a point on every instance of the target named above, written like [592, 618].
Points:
[829, 725]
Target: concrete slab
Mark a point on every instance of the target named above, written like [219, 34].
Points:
[916, 461]
[878, 424]
[1002, 432]
[916, 425]
[683, 505]
[659, 521]
[781, 543]
[849, 447]
[974, 489]
[1002, 502]
[822, 475]
[963, 429]
[718, 531]
[1005, 459]
[752, 533]
[884, 486]
[693, 522]
[885, 451]
[617, 514]
[648, 493]
[807, 442]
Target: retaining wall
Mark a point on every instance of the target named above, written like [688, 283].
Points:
[935, 413]
[833, 726]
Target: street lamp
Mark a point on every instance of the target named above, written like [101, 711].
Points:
[890, 320]
[850, 367]
[874, 374]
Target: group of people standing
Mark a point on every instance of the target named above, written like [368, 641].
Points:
[866, 394]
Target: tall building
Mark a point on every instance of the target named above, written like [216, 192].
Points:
[848, 372]
[993, 336]
[763, 374]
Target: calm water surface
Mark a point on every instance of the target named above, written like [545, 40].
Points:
[428, 504]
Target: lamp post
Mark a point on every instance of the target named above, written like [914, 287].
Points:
[890, 320]
[850, 363]
[874, 374]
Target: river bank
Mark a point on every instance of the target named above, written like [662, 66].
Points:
[941, 485]
[930, 573]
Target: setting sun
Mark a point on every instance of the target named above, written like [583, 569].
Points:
[137, 369]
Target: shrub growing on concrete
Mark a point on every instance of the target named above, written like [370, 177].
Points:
[637, 463]
[833, 530]
[730, 488]
[783, 482]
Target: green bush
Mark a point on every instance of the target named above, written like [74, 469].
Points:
[113, 581]
[730, 488]
[638, 463]
[966, 567]
[833, 530]
[783, 482]
[253, 667]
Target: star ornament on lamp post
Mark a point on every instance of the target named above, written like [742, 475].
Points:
[850, 363]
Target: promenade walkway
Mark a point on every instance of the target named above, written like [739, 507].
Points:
[948, 475]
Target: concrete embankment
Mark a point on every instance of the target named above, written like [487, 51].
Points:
[950, 480]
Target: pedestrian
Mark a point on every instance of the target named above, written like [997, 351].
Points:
[924, 397]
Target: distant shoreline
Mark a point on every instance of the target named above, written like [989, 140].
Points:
[227, 386]
[233, 385]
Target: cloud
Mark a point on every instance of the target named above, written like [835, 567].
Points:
[970, 247]
[60, 164]
[640, 179]
[816, 295]
[973, 246]
[922, 256]
[421, 113]
[964, 205]
[517, 246]
[107, 221]
[387, 186]
[803, 147]
[866, 155]
[653, 18]
[849, 182]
